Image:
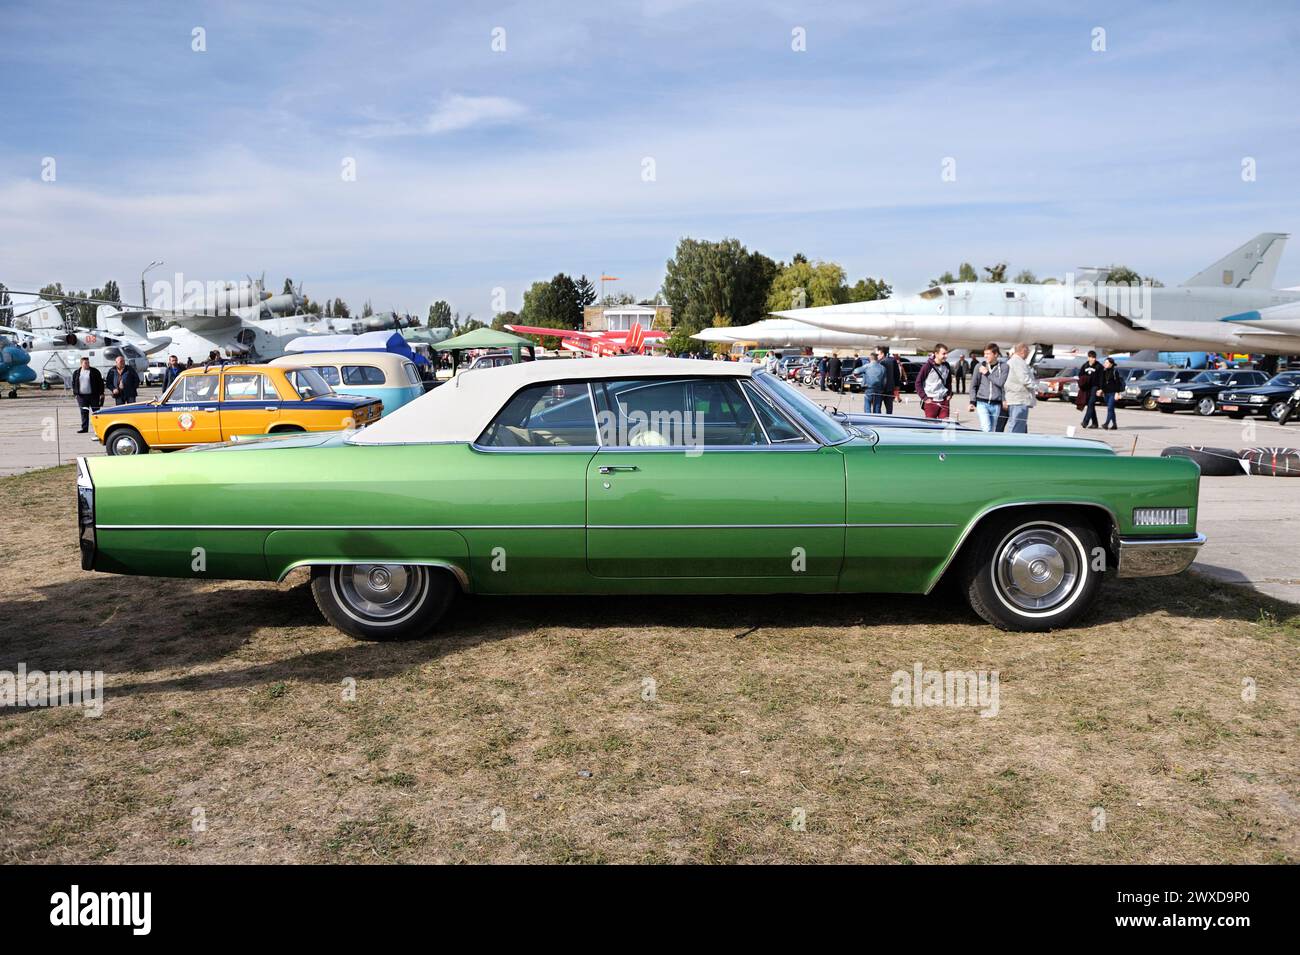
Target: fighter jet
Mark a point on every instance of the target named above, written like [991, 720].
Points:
[1230, 306]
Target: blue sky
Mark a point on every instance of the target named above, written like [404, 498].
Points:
[478, 169]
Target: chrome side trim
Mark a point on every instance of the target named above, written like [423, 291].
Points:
[478, 527]
[970, 526]
[1146, 557]
[337, 527]
[457, 571]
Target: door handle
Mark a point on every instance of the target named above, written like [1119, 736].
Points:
[273, 408]
[611, 468]
[210, 410]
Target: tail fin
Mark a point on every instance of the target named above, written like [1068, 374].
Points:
[124, 323]
[1254, 265]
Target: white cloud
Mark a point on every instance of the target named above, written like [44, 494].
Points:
[453, 113]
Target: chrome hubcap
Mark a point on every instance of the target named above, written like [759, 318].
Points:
[1037, 568]
[124, 445]
[380, 591]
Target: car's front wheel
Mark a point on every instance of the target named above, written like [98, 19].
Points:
[1028, 572]
[1205, 407]
[1149, 404]
[124, 441]
[382, 601]
[1275, 410]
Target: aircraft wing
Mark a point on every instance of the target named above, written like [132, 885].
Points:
[194, 321]
[574, 333]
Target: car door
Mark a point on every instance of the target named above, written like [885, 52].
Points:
[703, 478]
[519, 500]
[250, 404]
[192, 412]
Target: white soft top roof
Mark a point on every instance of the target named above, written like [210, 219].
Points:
[460, 409]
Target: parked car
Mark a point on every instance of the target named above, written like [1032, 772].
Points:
[1054, 386]
[491, 360]
[155, 373]
[643, 475]
[1200, 393]
[1126, 375]
[1268, 399]
[1140, 392]
[228, 401]
[393, 379]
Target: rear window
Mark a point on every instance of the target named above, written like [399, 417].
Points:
[362, 375]
[328, 372]
[550, 415]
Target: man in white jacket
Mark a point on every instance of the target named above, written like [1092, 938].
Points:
[1019, 392]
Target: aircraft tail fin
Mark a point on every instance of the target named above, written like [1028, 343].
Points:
[126, 324]
[1253, 265]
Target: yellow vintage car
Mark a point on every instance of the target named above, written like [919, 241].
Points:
[222, 403]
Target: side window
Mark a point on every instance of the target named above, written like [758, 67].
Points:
[362, 375]
[243, 387]
[329, 373]
[691, 412]
[412, 373]
[779, 428]
[194, 389]
[551, 415]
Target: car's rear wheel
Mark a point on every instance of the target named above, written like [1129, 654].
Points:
[1205, 407]
[125, 441]
[1026, 571]
[382, 601]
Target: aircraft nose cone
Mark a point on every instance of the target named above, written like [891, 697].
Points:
[15, 355]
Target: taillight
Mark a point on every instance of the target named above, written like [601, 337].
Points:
[85, 515]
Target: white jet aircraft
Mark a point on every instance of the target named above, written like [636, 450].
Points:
[1230, 307]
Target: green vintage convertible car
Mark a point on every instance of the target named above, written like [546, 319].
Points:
[642, 475]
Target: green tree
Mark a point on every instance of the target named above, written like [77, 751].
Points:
[367, 310]
[615, 299]
[946, 279]
[869, 289]
[711, 284]
[439, 315]
[804, 284]
[502, 319]
[966, 273]
[586, 291]
[553, 304]
[341, 309]
[1123, 275]
[1025, 277]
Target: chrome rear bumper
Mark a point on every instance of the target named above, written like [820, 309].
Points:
[1157, 557]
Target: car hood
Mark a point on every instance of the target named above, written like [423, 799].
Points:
[1263, 390]
[915, 439]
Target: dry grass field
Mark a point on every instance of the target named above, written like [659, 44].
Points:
[524, 735]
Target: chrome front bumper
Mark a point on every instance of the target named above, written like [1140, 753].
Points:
[1157, 557]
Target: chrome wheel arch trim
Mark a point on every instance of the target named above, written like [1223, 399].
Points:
[980, 515]
[461, 575]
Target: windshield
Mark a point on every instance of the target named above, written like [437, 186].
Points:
[1289, 380]
[1160, 376]
[1212, 378]
[814, 418]
[307, 382]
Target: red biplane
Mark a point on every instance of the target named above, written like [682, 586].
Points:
[595, 344]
